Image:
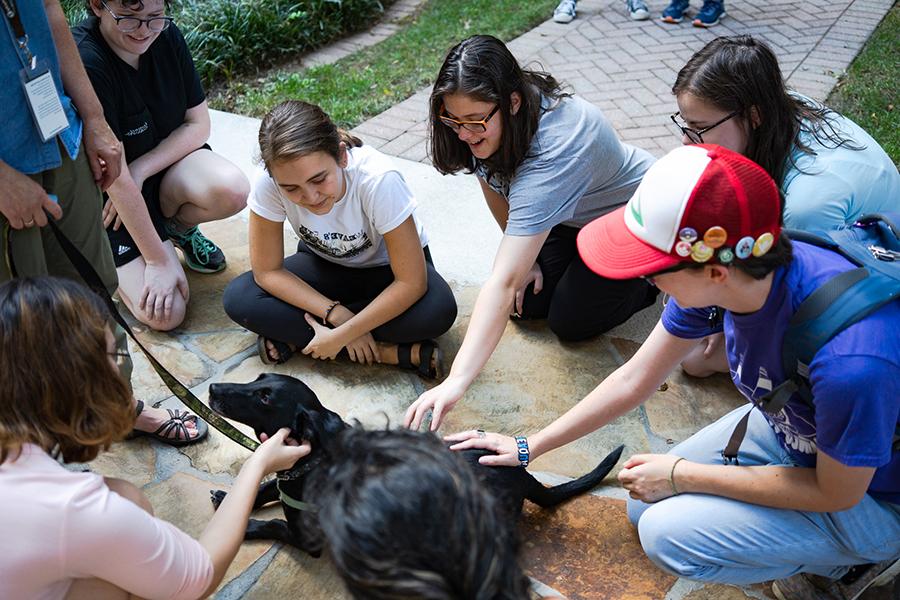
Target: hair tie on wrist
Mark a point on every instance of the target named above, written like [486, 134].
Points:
[672, 475]
[524, 454]
[328, 312]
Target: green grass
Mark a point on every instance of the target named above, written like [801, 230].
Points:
[374, 79]
[868, 94]
[230, 38]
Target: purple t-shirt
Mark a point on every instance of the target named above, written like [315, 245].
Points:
[855, 377]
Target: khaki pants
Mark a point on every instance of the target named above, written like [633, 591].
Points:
[34, 251]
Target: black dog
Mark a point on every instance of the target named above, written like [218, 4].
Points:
[275, 401]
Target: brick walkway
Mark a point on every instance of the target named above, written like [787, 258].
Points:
[628, 67]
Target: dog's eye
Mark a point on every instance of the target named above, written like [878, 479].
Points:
[264, 397]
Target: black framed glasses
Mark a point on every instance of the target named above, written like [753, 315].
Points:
[131, 24]
[474, 126]
[117, 356]
[696, 135]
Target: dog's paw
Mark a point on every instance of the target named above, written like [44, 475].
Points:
[216, 497]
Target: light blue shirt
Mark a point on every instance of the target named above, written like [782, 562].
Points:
[21, 146]
[835, 186]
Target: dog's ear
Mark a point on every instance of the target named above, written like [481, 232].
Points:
[320, 427]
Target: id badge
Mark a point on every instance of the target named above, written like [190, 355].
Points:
[43, 100]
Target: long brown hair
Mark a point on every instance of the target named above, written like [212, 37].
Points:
[58, 388]
[741, 73]
[295, 128]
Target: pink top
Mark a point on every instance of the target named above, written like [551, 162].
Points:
[57, 525]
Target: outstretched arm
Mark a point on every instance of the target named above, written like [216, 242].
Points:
[627, 387]
[514, 260]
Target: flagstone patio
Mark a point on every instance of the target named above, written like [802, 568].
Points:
[583, 549]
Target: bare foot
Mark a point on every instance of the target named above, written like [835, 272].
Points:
[389, 354]
[273, 353]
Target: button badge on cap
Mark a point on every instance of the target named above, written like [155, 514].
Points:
[700, 252]
[726, 255]
[683, 249]
[763, 244]
[687, 234]
[744, 247]
[715, 237]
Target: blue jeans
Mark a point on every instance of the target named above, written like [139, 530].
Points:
[715, 539]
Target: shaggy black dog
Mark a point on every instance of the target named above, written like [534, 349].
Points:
[275, 401]
[406, 519]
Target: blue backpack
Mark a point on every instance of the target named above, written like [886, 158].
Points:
[873, 245]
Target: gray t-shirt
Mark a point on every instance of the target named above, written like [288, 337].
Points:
[576, 170]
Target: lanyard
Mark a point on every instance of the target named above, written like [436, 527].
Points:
[12, 14]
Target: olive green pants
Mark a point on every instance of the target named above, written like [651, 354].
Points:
[34, 251]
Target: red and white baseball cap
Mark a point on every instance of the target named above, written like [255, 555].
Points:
[699, 203]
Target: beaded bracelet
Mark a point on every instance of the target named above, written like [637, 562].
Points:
[328, 312]
[522, 444]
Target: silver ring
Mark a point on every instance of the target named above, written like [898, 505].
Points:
[480, 433]
[29, 223]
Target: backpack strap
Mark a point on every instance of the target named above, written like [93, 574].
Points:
[835, 305]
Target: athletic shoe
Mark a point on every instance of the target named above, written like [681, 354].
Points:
[849, 587]
[710, 14]
[674, 12]
[565, 12]
[637, 9]
[200, 253]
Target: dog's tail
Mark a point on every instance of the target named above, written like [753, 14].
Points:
[551, 496]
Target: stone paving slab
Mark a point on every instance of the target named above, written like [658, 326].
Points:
[586, 548]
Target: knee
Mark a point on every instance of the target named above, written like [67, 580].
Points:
[130, 492]
[234, 300]
[696, 365]
[567, 327]
[666, 541]
[232, 192]
[158, 323]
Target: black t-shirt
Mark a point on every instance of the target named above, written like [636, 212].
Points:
[142, 106]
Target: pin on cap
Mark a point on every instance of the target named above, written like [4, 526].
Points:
[744, 247]
[700, 252]
[726, 255]
[688, 234]
[683, 249]
[715, 237]
[763, 244]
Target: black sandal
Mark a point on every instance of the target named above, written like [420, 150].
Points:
[285, 352]
[430, 359]
[177, 424]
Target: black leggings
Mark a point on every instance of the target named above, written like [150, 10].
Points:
[256, 309]
[577, 303]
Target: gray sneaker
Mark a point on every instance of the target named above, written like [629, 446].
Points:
[638, 10]
[565, 12]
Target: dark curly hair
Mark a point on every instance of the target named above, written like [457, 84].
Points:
[405, 518]
[60, 389]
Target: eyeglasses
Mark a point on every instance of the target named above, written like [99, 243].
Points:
[651, 279]
[119, 355]
[474, 126]
[130, 24]
[696, 135]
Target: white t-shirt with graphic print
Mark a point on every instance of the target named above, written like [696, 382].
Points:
[376, 201]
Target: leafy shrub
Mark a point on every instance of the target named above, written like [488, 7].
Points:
[231, 37]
